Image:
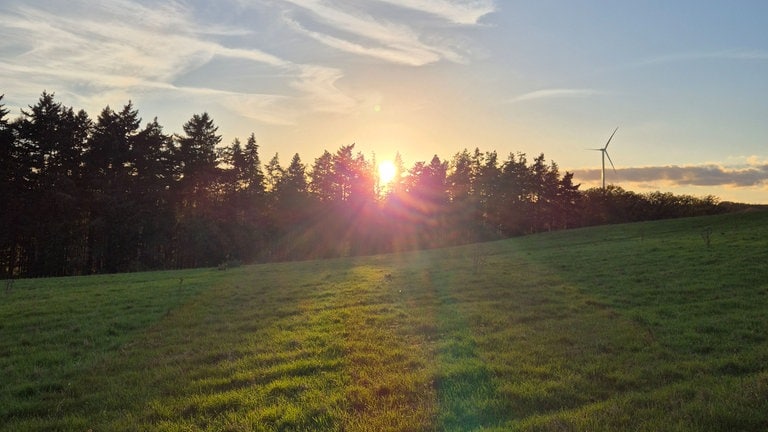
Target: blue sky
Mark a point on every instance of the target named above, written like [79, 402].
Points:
[686, 82]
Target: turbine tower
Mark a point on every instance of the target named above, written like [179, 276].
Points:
[604, 151]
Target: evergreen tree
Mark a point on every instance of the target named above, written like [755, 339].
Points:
[488, 194]
[293, 211]
[322, 178]
[196, 153]
[464, 202]
[11, 194]
[344, 173]
[515, 195]
[251, 174]
[154, 177]
[111, 170]
[295, 179]
[568, 202]
[257, 222]
[460, 178]
[426, 202]
[233, 160]
[242, 214]
[199, 237]
[52, 140]
[274, 173]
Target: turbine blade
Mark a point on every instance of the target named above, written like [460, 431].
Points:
[609, 160]
[609, 139]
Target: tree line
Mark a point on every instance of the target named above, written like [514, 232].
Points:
[83, 196]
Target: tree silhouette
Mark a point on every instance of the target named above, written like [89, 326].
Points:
[322, 183]
[197, 157]
[199, 238]
[111, 170]
[51, 140]
[83, 196]
[12, 195]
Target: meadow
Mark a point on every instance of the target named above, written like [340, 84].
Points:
[650, 326]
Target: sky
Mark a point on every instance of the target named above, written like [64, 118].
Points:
[685, 81]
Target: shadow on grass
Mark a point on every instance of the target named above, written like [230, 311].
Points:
[466, 393]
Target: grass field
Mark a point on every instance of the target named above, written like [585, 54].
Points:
[629, 327]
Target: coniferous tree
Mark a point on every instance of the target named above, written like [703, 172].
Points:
[257, 222]
[111, 173]
[243, 213]
[233, 160]
[568, 202]
[11, 194]
[488, 193]
[199, 239]
[344, 173]
[52, 140]
[295, 179]
[426, 202]
[353, 191]
[251, 172]
[154, 177]
[463, 200]
[274, 173]
[322, 178]
[515, 195]
[196, 153]
[293, 211]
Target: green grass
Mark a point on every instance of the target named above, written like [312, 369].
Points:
[627, 327]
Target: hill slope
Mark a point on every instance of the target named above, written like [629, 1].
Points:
[652, 326]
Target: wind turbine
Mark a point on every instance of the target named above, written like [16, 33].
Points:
[604, 151]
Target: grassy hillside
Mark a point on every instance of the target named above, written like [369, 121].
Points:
[626, 327]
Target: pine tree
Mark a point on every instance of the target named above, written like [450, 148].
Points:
[154, 170]
[196, 155]
[51, 138]
[111, 171]
[11, 194]
[199, 237]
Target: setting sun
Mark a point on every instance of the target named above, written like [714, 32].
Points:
[387, 172]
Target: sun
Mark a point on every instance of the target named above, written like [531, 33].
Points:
[387, 172]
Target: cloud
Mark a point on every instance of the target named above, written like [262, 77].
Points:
[555, 93]
[459, 12]
[132, 43]
[112, 51]
[407, 54]
[268, 109]
[105, 53]
[318, 84]
[754, 175]
[357, 31]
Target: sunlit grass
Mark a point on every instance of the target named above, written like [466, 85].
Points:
[627, 327]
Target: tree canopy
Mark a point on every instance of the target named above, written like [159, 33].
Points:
[88, 196]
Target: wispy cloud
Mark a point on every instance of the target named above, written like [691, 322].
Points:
[458, 12]
[403, 53]
[354, 30]
[120, 50]
[318, 83]
[104, 53]
[555, 93]
[754, 175]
